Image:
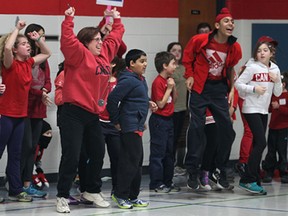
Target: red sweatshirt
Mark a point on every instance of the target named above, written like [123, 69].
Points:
[279, 117]
[86, 75]
[41, 79]
[122, 48]
[59, 83]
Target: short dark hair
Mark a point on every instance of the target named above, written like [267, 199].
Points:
[203, 25]
[163, 58]
[133, 55]
[120, 65]
[86, 34]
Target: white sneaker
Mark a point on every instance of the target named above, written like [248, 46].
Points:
[62, 205]
[97, 199]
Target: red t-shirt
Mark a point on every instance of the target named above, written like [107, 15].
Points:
[14, 101]
[216, 54]
[159, 87]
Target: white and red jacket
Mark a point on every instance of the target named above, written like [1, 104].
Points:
[257, 74]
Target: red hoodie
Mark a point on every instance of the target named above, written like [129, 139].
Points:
[86, 75]
[122, 48]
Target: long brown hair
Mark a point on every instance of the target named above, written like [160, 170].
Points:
[271, 48]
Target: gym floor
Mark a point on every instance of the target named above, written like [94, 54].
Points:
[185, 202]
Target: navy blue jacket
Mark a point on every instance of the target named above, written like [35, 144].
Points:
[128, 103]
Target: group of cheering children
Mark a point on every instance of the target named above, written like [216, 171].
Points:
[103, 98]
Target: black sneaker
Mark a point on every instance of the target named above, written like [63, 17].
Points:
[174, 188]
[240, 168]
[219, 181]
[267, 177]
[193, 183]
[284, 178]
[162, 189]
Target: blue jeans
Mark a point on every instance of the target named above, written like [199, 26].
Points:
[12, 130]
[161, 161]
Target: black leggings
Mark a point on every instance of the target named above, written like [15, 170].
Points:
[258, 124]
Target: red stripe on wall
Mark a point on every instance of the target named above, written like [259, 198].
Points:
[132, 8]
[258, 9]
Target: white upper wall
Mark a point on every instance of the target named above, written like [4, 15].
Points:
[149, 34]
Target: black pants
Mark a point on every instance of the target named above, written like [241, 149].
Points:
[212, 149]
[130, 166]
[32, 133]
[258, 124]
[277, 144]
[214, 97]
[75, 124]
[178, 147]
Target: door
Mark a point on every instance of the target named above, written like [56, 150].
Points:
[193, 12]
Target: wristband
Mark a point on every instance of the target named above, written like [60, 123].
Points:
[39, 38]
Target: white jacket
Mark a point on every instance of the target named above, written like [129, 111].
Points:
[257, 74]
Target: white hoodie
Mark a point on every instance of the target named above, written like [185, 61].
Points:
[257, 74]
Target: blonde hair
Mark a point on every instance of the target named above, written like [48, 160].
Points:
[3, 40]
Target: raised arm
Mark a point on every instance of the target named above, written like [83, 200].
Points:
[8, 50]
[45, 51]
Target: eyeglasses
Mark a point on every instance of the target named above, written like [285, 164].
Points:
[97, 39]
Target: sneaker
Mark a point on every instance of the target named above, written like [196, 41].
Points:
[240, 168]
[34, 192]
[192, 183]
[204, 180]
[36, 181]
[267, 177]
[179, 171]
[284, 178]
[174, 188]
[139, 203]
[62, 205]
[253, 188]
[43, 179]
[85, 201]
[218, 179]
[97, 199]
[2, 200]
[162, 189]
[77, 180]
[73, 201]
[122, 203]
[22, 197]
